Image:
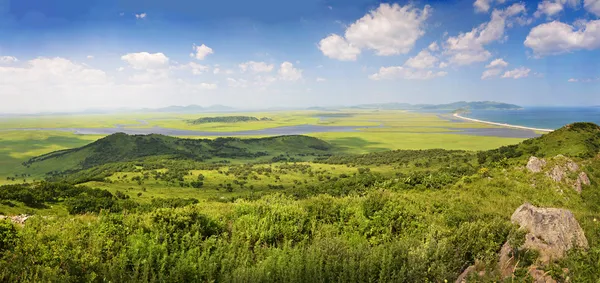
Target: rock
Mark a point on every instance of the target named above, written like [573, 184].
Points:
[551, 231]
[535, 164]
[572, 166]
[506, 264]
[539, 276]
[582, 179]
[17, 219]
[462, 278]
[557, 173]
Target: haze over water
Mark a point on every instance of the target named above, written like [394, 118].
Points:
[539, 117]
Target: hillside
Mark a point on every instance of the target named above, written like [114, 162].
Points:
[121, 147]
[475, 105]
[581, 140]
[227, 119]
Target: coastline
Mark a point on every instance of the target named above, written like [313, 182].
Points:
[502, 124]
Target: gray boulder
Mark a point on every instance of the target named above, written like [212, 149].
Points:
[535, 164]
[551, 231]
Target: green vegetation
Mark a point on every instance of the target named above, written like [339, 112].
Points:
[286, 209]
[227, 119]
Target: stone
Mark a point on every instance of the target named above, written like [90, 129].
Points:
[535, 165]
[557, 173]
[539, 276]
[551, 231]
[582, 179]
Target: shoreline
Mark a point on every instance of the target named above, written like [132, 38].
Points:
[501, 124]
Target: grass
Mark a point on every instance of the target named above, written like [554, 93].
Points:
[401, 130]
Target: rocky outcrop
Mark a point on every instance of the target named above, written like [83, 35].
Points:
[563, 170]
[557, 174]
[17, 219]
[550, 231]
[535, 165]
[462, 278]
[582, 179]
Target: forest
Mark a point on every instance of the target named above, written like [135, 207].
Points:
[294, 209]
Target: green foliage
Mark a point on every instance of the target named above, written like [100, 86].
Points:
[227, 119]
[8, 235]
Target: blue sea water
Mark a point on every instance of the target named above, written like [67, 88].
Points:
[539, 117]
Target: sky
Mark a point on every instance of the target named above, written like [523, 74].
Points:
[70, 55]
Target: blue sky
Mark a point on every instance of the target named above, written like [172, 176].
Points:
[73, 55]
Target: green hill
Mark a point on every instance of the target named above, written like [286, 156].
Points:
[580, 140]
[121, 147]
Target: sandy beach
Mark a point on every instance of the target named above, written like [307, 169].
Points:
[501, 124]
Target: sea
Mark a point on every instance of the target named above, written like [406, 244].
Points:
[539, 117]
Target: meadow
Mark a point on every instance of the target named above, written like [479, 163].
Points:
[398, 130]
[409, 201]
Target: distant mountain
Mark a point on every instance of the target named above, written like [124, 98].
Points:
[190, 109]
[474, 105]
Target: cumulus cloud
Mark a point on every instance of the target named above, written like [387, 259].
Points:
[51, 72]
[498, 63]
[433, 46]
[517, 73]
[423, 60]
[490, 73]
[200, 52]
[388, 30]
[237, 83]
[483, 6]
[140, 16]
[399, 72]
[557, 37]
[468, 48]
[592, 6]
[5, 60]
[288, 72]
[586, 80]
[194, 68]
[145, 60]
[257, 67]
[336, 47]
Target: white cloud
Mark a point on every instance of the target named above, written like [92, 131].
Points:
[150, 76]
[201, 52]
[490, 73]
[498, 63]
[256, 67]
[399, 72]
[336, 47]
[423, 60]
[517, 73]
[483, 6]
[237, 83]
[548, 8]
[587, 80]
[145, 60]
[90, 57]
[468, 48]
[443, 65]
[287, 72]
[51, 72]
[321, 80]
[194, 68]
[592, 6]
[140, 16]
[388, 30]
[208, 86]
[433, 46]
[5, 60]
[557, 37]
